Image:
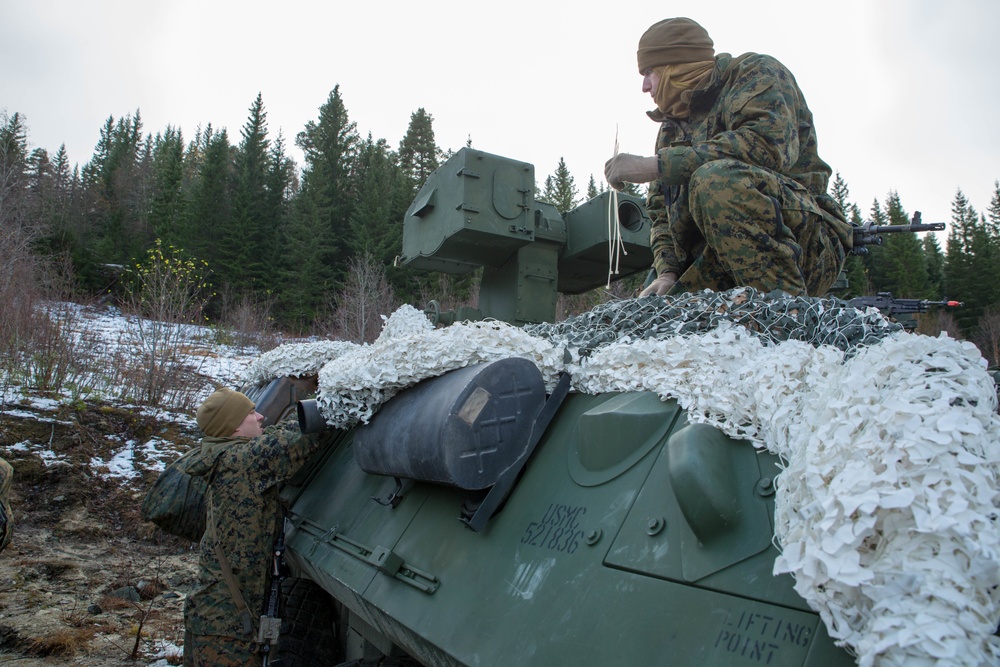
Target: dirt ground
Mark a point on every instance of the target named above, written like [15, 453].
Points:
[85, 581]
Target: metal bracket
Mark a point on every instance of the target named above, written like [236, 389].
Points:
[394, 498]
[382, 558]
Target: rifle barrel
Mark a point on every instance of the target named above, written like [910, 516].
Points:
[918, 227]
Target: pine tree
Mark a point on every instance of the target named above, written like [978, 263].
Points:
[854, 271]
[560, 189]
[382, 193]
[858, 283]
[592, 190]
[841, 193]
[41, 189]
[194, 156]
[963, 223]
[307, 275]
[168, 204]
[984, 270]
[248, 238]
[381, 196]
[282, 185]
[318, 245]
[993, 212]
[960, 280]
[62, 235]
[55, 200]
[934, 261]
[210, 205]
[117, 192]
[874, 260]
[418, 152]
[904, 270]
[13, 171]
[991, 229]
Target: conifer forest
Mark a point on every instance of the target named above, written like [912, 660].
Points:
[302, 241]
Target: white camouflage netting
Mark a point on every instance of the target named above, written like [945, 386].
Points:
[295, 359]
[887, 512]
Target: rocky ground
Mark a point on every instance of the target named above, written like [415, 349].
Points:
[85, 581]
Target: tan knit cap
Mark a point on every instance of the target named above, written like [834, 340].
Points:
[223, 412]
[673, 41]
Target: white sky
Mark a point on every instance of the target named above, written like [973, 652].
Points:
[904, 92]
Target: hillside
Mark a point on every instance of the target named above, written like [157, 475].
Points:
[86, 582]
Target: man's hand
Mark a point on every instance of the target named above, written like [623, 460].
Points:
[661, 285]
[625, 168]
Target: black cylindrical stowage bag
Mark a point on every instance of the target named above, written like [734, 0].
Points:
[460, 429]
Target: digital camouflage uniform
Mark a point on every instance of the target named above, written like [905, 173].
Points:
[243, 509]
[6, 518]
[741, 198]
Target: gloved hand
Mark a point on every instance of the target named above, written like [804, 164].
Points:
[661, 285]
[626, 168]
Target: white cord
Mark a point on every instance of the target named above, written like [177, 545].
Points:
[616, 246]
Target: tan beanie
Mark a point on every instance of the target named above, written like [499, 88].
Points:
[674, 41]
[223, 412]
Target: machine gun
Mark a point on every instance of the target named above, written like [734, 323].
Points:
[885, 302]
[902, 310]
[871, 234]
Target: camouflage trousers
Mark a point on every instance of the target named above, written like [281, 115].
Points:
[217, 651]
[6, 518]
[760, 230]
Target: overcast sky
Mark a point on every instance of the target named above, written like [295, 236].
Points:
[904, 92]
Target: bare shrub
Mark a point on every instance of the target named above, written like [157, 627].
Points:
[20, 291]
[50, 360]
[569, 305]
[987, 336]
[167, 292]
[36, 347]
[361, 302]
[944, 322]
[443, 292]
[246, 322]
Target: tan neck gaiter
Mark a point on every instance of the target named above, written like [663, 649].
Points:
[675, 80]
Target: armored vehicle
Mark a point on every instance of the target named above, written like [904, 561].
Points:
[488, 517]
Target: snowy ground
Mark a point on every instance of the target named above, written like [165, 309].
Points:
[104, 334]
[82, 460]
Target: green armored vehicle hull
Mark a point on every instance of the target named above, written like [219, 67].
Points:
[483, 516]
[632, 537]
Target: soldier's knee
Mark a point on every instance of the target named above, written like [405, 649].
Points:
[718, 176]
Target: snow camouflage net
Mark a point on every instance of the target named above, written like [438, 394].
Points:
[887, 510]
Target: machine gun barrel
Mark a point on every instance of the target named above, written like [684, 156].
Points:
[889, 305]
[869, 234]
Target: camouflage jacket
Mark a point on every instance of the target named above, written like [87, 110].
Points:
[243, 475]
[750, 110]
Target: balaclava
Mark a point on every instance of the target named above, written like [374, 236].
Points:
[683, 56]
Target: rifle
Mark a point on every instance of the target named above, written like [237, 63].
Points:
[270, 623]
[901, 310]
[885, 302]
[871, 234]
